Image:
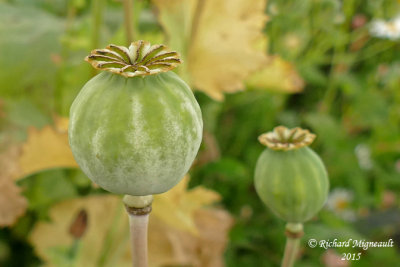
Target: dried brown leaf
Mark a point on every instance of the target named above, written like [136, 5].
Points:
[12, 203]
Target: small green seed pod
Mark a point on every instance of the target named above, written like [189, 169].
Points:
[290, 178]
[136, 127]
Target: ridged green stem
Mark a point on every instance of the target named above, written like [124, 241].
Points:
[128, 20]
[97, 21]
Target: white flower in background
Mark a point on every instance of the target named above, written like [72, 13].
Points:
[363, 154]
[386, 29]
[339, 201]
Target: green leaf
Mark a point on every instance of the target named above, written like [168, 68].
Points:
[48, 187]
[28, 50]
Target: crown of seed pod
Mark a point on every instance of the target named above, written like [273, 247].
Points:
[290, 178]
[136, 127]
[140, 59]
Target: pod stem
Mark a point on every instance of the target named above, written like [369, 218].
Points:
[128, 6]
[97, 21]
[294, 232]
[138, 208]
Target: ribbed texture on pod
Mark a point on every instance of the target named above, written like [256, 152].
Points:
[135, 136]
[293, 184]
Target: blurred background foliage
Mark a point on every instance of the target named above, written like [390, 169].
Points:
[253, 65]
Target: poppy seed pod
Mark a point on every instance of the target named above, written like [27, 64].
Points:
[136, 127]
[290, 177]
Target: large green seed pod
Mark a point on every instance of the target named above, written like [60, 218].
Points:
[290, 178]
[135, 128]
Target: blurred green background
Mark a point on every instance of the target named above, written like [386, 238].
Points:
[332, 67]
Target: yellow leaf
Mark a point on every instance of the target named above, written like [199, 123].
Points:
[45, 149]
[106, 216]
[171, 247]
[177, 206]
[217, 40]
[12, 203]
[61, 124]
[105, 242]
[278, 75]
